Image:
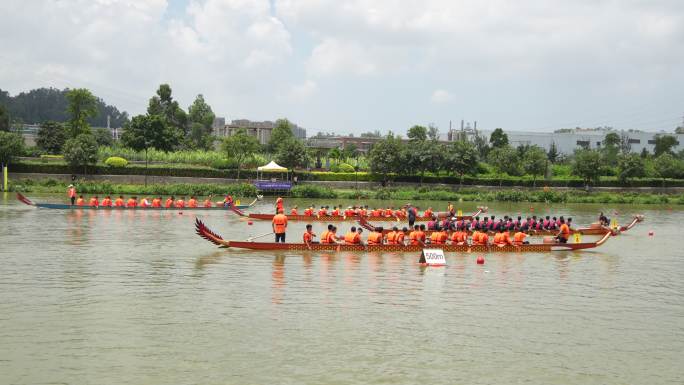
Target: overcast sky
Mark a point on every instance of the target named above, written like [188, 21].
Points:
[358, 65]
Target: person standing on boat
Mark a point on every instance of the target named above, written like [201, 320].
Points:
[279, 225]
[71, 193]
[279, 206]
[450, 209]
[411, 213]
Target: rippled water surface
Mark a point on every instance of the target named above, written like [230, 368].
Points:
[137, 297]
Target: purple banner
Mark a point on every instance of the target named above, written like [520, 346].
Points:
[268, 185]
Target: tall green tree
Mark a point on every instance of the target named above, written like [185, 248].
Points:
[385, 156]
[149, 131]
[611, 149]
[664, 144]
[4, 119]
[611, 139]
[201, 119]
[505, 160]
[82, 105]
[433, 132]
[462, 159]
[587, 165]
[350, 151]
[552, 155]
[282, 132]
[11, 146]
[535, 162]
[51, 137]
[81, 151]
[162, 104]
[481, 145]
[630, 166]
[239, 147]
[498, 138]
[667, 166]
[103, 136]
[292, 154]
[417, 134]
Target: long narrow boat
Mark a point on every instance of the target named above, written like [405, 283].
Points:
[340, 218]
[591, 230]
[60, 206]
[203, 231]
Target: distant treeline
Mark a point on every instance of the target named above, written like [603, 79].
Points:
[44, 104]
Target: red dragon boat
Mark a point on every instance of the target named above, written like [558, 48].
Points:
[203, 231]
[340, 218]
[594, 229]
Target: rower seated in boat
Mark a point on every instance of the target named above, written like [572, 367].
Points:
[94, 202]
[502, 238]
[192, 202]
[106, 202]
[332, 236]
[349, 212]
[438, 236]
[353, 237]
[563, 233]
[207, 202]
[170, 202]
[391, 237]
[157, 202]
[309, 212]
[413, 235]
[80, 201]
[144, 202]
[375, 237]
[428, 213]
[119, 202]
[308, 235]
[388, 212]
[322, 212]
[293, 210]
[132, 202]
[335, 211]
[401, 235]
[324, 234]
[180, 203]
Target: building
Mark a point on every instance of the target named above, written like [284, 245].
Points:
[260, 130]
[567, 141]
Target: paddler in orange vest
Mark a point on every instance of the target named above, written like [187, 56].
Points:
[309, 212]
[428, 213]
[375, 237]
[335, 212]
[180, 203]
[227, 201]
[332, 235]
[353, 237]
[519, 238]
[94, 202]
[71, 193]
[308, 235]
[401, 236]
[324, 234]
[388, 212]
[192, 203]
[279, 205]
[132, 202]
[144, 202]
[119, 202]
[413, 236]
[349, 212]
[170, 202]
[564, 232]
[279, 225]
[156, 202]
[80, 201]
[106, 202]
[439, 236]
[502, 238]
[363, 211]
[293, 211]
[391, 237]
[207, 202]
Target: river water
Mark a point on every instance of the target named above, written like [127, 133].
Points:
[138, 298]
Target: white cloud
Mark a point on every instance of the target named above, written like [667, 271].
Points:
[303, 92]
[440, 96]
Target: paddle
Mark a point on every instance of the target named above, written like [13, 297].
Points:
[250, 239]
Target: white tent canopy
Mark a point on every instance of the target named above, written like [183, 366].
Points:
[272, 167]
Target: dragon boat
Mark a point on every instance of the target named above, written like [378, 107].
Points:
[60, 206]
[594, 229]
[203, 231]
[341, 218]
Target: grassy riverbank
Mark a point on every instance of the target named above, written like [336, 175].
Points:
[405, 193]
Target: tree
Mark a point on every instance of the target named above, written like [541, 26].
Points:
[163, 105]
[679, 130]
[281, 133]
[422, 156]
[664, 144]
[552, 155]
[481, 145]
[462, 158]
[505, 160]
[667, 166]
[535, 163]
[371, 134]
[587, 165]
[51, 137]
[350, 151]
[611, 139]
[81, 151]
[433, 132]
[201, 119]
[630, 166]
[498, 138]
[4, 119]
[103, 136]
[11, 146]
[611, 148]
[385, 156]
[292, 153]
[335, 154]
[149, 131]
[239, 147]
[417, 134]
[82, 106]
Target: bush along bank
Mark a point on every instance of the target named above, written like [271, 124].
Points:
[180, 170]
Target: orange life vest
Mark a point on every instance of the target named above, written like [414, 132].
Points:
[519, 237]
[156, 202]
[388, 212]
[565, 230]
[93, 202]
[180, 203]
[169, 203]
[131, 202]
[307, 237]
[375, 238]
[428, 213]
[106, 202]
[392, 238]
[192, 202]
[293, 212]
[413, 237]
[352, 238]
[71, 192]
[400, 238]
[331, 237]
[118, 202]
[322, 212]
[324, 236]
[280, 223]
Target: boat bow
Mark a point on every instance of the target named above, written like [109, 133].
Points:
[203, 231]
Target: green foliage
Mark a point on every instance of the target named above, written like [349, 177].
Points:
[51, 137]
[4, 119]
[346, 167]
[587, 165]
[667, 166]
[292, 153]
[350, 151]
[417, 134]
[116, 161]
[103, 136]
[11, 146]
[611, 139]
[82, 106]
[552, 155]
[239, 147]
[482, 146]
[281, 133]
[535, 161]
[664, 144]
[149, 131]
[201, 119]
[498, 138]
[163, 106]
[630, 166]
[386, 156]
[81, 151]
[462, 158]
[312, 191]
[505, 159]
